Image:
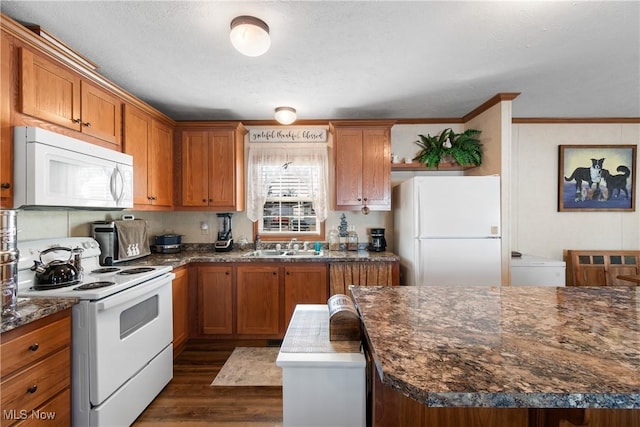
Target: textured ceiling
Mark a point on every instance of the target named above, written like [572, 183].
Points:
[352, 60]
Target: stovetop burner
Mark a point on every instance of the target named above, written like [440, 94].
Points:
[47, 287]
[105, 270]
[137, 270]
[93, 285]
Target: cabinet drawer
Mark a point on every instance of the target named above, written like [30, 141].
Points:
[55, 413]
[23, 350]
[38, 383]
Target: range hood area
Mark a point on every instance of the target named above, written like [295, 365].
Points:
[52, 170]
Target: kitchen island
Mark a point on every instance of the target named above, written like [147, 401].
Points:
[461, 353]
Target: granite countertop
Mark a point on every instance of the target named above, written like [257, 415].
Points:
[527, 347]
[208, 254]
[32, 309]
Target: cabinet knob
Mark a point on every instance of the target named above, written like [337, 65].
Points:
[34, 347]
[204, 200]
[210, 200]
[77, 121]
[227, 273]
[32, 389]
[359, 199]
[86, 124]
[5, 185]
[274, 273]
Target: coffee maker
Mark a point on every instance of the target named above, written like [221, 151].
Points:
[225, 239]
[378, 242]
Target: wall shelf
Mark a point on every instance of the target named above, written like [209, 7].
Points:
[422, 167]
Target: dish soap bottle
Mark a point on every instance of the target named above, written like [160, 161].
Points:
[334, 240]
[352, 239]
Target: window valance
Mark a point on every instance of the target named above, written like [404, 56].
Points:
[303, 164]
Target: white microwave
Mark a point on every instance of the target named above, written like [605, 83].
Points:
[54, 170]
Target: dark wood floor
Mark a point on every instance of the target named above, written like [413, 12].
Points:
[189, 400]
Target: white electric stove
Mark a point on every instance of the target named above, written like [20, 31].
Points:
[122, 330]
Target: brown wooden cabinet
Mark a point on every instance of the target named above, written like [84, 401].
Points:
[601, 268]
[212, 167]
[150, 142]
[180, 294]
[54, 93]
[36, 371]
[362, 165]
[258, 299]
[255, 300]
[304, 284]
[6, 139]
[215, 299]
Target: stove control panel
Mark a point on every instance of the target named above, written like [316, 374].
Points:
[30, 249]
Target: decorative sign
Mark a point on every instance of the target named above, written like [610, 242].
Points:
[280, 134]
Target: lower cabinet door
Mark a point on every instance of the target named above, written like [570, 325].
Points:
[180, 308]
[258, 300]
[215, 300]
[304, 284]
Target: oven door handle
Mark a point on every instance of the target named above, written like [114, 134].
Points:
[128, 295]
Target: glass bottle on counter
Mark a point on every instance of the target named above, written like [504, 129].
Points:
[352, 239]
[334, 240]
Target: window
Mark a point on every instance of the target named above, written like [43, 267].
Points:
[287, 188]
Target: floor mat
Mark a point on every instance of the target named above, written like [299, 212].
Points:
[250, 366]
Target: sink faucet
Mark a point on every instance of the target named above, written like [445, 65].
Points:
[291, 243]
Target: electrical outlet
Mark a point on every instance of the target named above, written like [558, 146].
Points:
[204, 228]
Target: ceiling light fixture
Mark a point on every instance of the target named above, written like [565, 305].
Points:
[250, 35]
[285, 115]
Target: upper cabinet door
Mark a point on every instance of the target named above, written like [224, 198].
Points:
[222, 169]
[376, 170]
[137, 134]
[160, 173]
[6, 130]
[362, 167]
[195, 168]
[50, 92]
[348, 166]
[101, 114]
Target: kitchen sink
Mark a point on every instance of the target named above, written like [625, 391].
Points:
[278, 253]
[303, 254]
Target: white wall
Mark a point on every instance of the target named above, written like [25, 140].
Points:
[538, 227]
[495, 124]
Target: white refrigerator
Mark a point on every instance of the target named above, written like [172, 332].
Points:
[447, 230]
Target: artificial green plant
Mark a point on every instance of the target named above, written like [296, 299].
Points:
[463, 148]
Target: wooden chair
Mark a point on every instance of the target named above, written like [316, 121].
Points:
[601, 268]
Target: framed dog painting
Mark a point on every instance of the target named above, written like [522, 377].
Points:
[597, 178]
